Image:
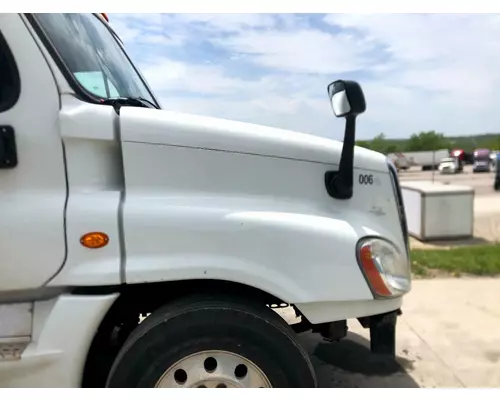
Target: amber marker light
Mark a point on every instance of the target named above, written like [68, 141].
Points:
[372, 273]
[94, 240]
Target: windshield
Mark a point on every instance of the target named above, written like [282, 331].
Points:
[93, 56]
[482, 155]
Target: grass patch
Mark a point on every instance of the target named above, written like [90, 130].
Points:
[483, 260]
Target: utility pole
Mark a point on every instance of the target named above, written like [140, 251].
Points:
[433, 164]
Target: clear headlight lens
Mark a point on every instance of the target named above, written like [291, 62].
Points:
[386, 269]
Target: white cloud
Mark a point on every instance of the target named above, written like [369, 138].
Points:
[446, 66]
[419, 72]
[454, 53]
[168, 75]
[229, 22]
[161, 29]
[126, 33]
[304, 51]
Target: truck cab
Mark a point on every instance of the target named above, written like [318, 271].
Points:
[142, 247]
[449, 165]
[482, 161]
[460, 155]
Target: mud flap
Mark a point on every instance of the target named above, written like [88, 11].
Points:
[383, 333]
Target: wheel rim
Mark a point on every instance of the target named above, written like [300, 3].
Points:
[213, 369]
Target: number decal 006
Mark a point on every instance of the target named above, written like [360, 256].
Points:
[365, 179]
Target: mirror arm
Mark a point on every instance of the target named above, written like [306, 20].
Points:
[339, 184]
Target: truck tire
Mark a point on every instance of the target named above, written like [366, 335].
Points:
[207, 342]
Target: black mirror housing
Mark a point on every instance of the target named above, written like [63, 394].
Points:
[347, 101]
[347, 98]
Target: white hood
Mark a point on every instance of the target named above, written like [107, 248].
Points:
[168, 128]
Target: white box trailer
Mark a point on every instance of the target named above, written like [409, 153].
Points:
[426, 159]
[436, 211]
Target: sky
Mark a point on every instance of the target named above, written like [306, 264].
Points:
[418, 71]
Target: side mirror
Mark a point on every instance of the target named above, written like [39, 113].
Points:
[347, 98]
[348, 101]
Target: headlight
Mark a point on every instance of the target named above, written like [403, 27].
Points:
[386, 269]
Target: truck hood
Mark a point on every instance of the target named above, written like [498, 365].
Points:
[167, 128]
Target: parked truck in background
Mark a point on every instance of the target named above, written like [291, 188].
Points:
[482, 161]
[466, 157]
[458, 153]
[450, 165]
[427, 160]
[113, 209]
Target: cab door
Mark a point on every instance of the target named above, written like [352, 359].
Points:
[32, 169]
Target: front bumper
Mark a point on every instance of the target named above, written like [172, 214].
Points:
[481, 168]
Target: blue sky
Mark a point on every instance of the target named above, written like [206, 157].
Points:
[418, 71]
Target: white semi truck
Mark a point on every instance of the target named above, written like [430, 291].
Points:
[112, 208]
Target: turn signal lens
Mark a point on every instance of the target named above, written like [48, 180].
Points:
[94, 240]
[371, 271]
[386, 269]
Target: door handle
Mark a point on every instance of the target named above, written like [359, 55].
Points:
[8, 151]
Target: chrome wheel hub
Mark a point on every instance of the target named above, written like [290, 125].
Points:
[213, 369]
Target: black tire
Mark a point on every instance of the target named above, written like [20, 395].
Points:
[195, 324]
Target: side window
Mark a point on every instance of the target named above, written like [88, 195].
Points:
[94, 82]
[10, 87]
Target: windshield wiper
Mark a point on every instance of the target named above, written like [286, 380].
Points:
[148, 102]
[129, 101]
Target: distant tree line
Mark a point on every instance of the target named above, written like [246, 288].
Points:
[431, 140]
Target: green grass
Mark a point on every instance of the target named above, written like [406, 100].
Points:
[483, 260]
